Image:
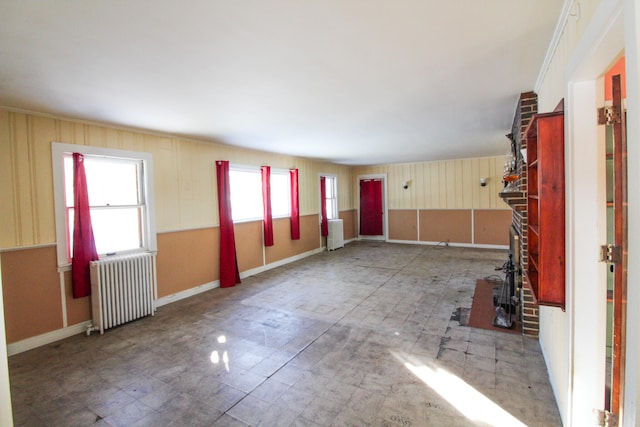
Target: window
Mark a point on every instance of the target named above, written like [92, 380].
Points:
[120, 199]
[331, 196]
[246, 194]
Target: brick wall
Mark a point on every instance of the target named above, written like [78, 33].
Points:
[526, 108]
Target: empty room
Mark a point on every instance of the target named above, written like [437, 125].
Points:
[337, 213]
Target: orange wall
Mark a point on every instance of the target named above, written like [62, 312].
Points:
[187, 259]
[477, 226]
[350, 223]
[618, 68]
[31, 292]
[403, 224]
[283, 247]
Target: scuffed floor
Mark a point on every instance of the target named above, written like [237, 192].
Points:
[362, 336]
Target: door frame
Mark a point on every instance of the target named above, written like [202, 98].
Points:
[385, 211]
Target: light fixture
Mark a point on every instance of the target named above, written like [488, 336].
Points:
[483, 182]
[405, 184]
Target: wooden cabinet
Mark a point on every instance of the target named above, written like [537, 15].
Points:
[546, 208]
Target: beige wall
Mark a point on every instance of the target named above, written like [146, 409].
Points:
[184, 175]
[450, 184]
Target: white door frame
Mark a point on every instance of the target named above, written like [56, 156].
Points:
[609, 33]
[385, 211]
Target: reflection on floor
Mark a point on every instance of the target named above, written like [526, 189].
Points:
[357, 337]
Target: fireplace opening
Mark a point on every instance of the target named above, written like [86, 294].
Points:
[506, 295]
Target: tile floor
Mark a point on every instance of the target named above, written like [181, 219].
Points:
[361, 336]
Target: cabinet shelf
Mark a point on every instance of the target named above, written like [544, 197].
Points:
[545, 209]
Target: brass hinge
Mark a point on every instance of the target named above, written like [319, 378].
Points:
[609, 115]
[605, 418]
[611, 254]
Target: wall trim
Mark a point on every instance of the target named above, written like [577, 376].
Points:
[47, 338]
[452, 244]
[28, 247]
[279, 263]
[187, 293]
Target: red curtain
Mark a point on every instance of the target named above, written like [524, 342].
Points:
[371, 207]
[324, 225]
[295, 205]
[229, 273]
[84, 245]
[266, 205]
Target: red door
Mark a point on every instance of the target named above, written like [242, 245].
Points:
[371, 207]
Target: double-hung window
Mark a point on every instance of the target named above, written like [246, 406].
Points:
[246, 193]
[120, 198]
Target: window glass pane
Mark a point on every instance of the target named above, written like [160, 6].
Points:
[330, 187]
[117, 229]
[68, 181]
[331, 210]
[114, 230]
[280, 199]
[111, 182]
[246, 195]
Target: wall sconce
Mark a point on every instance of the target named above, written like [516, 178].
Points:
[405, 184]
[483, 182]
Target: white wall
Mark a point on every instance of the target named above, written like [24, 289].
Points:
[632, 51]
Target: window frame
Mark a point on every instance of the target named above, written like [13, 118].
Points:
[61, 150]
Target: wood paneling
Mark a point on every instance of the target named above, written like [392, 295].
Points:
[187, 259]
[184, 175]
[403, 224]
[446, 225]
[249, 245]
[491, 226]
[451, 184]
[31, 292]
[284, 247]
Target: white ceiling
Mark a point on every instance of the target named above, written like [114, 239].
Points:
[349, 81]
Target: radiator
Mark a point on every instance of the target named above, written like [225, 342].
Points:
[335, 239]
[123, 289]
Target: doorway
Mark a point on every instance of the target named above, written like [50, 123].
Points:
[372, 207]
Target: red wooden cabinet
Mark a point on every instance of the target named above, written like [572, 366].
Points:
[546, 208]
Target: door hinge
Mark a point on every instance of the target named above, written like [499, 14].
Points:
[611, 254]
[606, 418]
[609, 115]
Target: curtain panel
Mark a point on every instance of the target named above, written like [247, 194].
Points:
[84, 245]
[295, 205]
[324, 224]
[265, 171]
[229, 273]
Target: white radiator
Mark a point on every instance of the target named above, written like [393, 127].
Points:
[335, 239]
[123, 289]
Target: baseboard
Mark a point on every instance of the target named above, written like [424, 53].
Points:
[48, 338]
[453, 244]
[187, 293]
[279, 263]
[216, 283]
